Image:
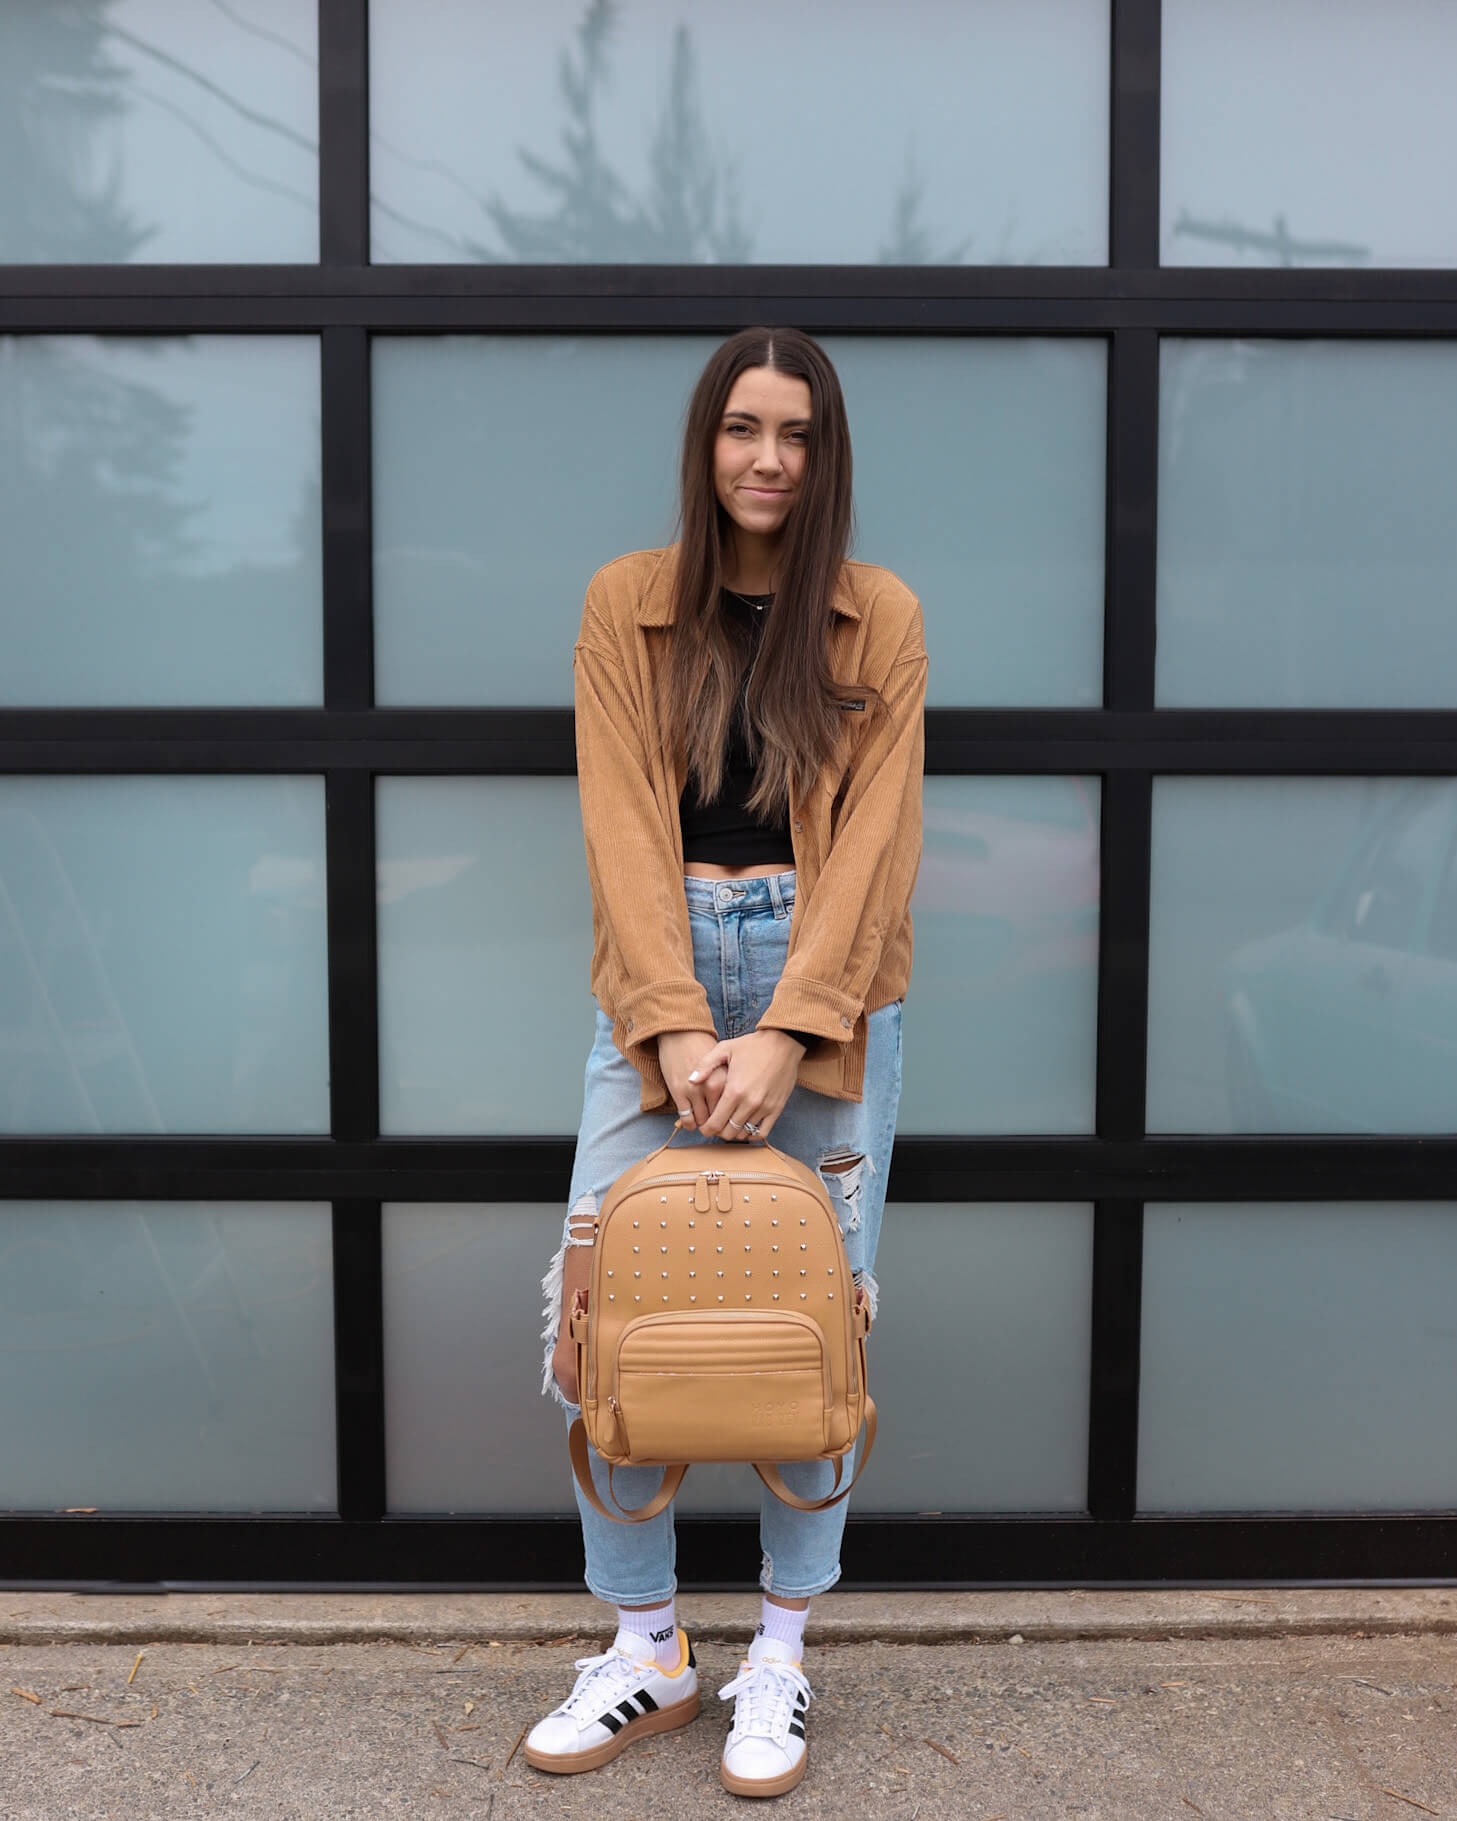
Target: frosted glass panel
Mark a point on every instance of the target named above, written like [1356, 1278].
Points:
[1006, 1428]
[998, 525]
[485, 945]
[158, 131]
[1307, 546]
[162, 955]
[160, 521]
[1000, 1030]
[582, 132]
[478, 572]
[1314, 133]
[1298, 1357]
[467, 1428]
[1303, 955]
[166, 1356]
[998, 521]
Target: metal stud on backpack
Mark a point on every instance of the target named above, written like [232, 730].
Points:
[720, 1324]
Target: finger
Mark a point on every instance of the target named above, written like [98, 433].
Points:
[763, 1119]
[695, 1101]
[745, 1117]
[717, 1125]
[710, 1060]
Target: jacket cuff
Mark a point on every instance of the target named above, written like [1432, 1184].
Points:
[809, 1039]
[664, 1005]
[810, 1007]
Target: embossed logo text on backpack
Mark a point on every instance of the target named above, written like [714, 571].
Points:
[769, 1414]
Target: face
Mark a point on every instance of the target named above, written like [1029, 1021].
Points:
[759, 451]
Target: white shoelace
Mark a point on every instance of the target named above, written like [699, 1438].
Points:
[766, 1695]
[612, 1667]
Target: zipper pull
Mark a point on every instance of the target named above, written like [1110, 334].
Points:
[700, 1190]
[725, 1193]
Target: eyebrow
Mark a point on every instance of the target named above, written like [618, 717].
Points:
[789, 423]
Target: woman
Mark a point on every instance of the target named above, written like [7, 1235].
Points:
[749, 745]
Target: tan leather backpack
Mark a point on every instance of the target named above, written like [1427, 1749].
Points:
[720, 1324]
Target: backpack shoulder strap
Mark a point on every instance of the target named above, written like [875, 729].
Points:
[774, 1479]
[582, 1467]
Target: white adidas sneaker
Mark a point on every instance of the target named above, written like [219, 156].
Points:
[765, 1752]
[619, 1696]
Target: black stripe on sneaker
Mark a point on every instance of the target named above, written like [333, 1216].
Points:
[796, 1729]
[628, 1711]
[610, 1721]
[645, 1701]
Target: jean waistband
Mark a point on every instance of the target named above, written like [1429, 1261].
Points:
[764, 891]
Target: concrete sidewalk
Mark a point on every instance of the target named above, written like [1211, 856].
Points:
[925, 1618]
[1268, 1703]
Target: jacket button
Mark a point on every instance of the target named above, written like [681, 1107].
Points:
[799, 825]
[843, 1020]
[630, 1025]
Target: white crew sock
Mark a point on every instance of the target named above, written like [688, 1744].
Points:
[658, 1626]
[784, 1626]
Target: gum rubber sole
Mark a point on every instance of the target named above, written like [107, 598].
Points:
[762, 1786]
[666, 1719]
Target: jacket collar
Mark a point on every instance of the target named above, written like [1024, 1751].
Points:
[655, 604]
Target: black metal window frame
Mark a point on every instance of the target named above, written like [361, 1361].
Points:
[1130, 304]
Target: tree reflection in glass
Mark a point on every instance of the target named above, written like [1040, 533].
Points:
[158, 130]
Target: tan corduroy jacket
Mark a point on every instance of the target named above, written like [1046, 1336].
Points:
[856, 838]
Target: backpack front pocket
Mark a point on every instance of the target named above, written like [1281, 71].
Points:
[731, 1386]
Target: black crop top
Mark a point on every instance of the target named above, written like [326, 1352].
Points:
[726, 833]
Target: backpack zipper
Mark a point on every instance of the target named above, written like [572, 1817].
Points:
[723, 1190]
[675, 1177]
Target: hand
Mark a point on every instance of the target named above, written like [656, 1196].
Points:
[761, 1071]
[679, 1052]
[576, 1275]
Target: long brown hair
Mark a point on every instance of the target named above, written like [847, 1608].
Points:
[791, 696]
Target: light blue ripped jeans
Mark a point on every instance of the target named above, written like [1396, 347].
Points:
[740, 942]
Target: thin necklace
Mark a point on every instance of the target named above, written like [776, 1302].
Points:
[758, 603]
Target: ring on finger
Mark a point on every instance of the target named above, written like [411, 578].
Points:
[751, 1128]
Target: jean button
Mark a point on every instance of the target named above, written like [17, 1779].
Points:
[724, 894]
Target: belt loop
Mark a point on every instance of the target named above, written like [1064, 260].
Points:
[776, 896]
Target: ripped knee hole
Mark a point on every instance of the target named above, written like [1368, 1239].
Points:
[839, 1161]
